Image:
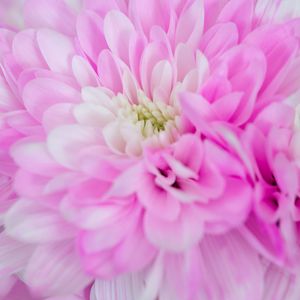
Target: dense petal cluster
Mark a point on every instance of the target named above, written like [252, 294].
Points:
[150, 150]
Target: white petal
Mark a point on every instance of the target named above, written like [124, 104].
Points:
[127, 287]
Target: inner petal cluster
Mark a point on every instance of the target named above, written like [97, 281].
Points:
[139, 123]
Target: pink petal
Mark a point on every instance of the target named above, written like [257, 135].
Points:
[78, 137]
[54, 270]
[13, 254]
[42, 164]
[286, 175]
[218, 39]
[189, 151]
[93, 115]
[162, 81]
[149, 14]
[29, 222]
[127, 287]
[280, 284]
[109, 71]
[53, 14]
[226, 106]
[26, 50]
[83, 72]
[128, 182]
[90, 25]
[232, 268]
[118, 31]
[153, 53]
[29, 185]
[264, 238]
[232, 207]
[190, 24]
[57, 50]
[157, 200]
[41, 93]
[57, 115]
[239, 12]
[177, 235]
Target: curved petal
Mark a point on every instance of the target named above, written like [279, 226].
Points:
[29, 222]
[177, 235]
[54, 269]
[57, 50]
[54, 14]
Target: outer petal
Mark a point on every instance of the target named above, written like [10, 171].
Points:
[190, 24]
[54, 270]
[78, 137]
[29, 222]
[232, 269]
[53, 14]
[90, 34]
[127, 287]
[57, 50]
[13, 255]
[118, 31]
[177, 235]
[41, 93]
[26, 51]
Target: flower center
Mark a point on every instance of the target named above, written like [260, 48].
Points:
[151, 118]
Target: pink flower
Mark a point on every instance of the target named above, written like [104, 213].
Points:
[126, 128]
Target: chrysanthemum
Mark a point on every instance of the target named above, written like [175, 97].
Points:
[146, 139]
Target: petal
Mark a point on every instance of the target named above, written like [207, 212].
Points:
[226, 106]
[43, 164]
[162, 81]
[14, 254]
[232, 269]
[177, 235]
[148, 14]
[109, 71]
[153, 53]
[54, 270]
[265, 238]
[157, 200]
[57, 50]
[26, 51]
[190, 24]
[280, 284]
[126, 287]
[239, 12]
[29, 222]
[41, 93]
[93, 115]
[111, 234]
[218, 39]
[118, 30]
[78, 137]
[53, 14]
[286, 174]
[84, 73]
[233, 206]
[128, 182]
[90, 25]
[189, 151]
[58, 115]
[29, 185]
